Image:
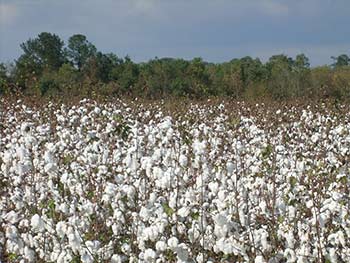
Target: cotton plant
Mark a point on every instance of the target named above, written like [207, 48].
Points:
[128, 182]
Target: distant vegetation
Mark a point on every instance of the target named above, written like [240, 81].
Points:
[50, 68]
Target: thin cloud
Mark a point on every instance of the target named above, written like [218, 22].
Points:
[274, 8]
[8, 13]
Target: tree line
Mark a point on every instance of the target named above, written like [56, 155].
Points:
[48, 67]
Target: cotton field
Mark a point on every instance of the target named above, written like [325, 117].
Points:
[136, 182]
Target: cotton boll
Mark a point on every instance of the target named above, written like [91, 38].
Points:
[332, 255]
[183, 160]
[149, 255]
[11, 232]
[117, 259]
[145, 213]
[161, 246]
[12, 217]
[183, 211]
[173, 243]
[86, 257]
[29, 254]
[230, 167]
[61, 229]
[259, 259]
[290, 255]
[182, 252]
[37, 223]
[213, 186]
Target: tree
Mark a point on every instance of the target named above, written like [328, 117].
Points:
[341, 60]
[100, 67]
[302, 62]
[3, 78]
[80, 50]
[280, 76]
[46, 51]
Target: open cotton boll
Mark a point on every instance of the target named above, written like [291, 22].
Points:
[161, 246]
[259, 259]
[37, 223]
[173, 243]
[86, 257]
[182, 252]
[29, 254]
[61, 229]
[117, 259]
[149, 255]
[183, 161]
[184, 211]
[12, 217]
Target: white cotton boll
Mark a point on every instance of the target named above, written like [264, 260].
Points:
[111, 189]
[61, 229]
[213, 186]
[37, 223]
[315, 137]
[126, 248]
[149, 255]
[157, 154]
[166, 124]
[152, 198]
[84, 119]
[291, 212]
[119, 216]
[290, 255]
[86, 257]
[145, 213]
[199, 147]
[12, 217]
[183, 160]
[116, 259]
[200, 258]
[309, 204]
[116, 228]
[97, 110]
[183, 211]
[150, 233]
[332, 255]
[259, 259]
[193, 234]
[230, 167]
[182, 252]
[64, 208]
[263, 205]
[164, 182]
[173, 243]
[93, 246]
[51, 169]
[161, 246]
[73, 239]
[220, 220]
[11, 232]
[29, 254]
[222, 195]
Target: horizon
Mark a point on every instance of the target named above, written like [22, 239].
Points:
[216, 32]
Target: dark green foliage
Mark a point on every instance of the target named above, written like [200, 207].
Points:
[80, 50]
[48, 69]
[3, 78]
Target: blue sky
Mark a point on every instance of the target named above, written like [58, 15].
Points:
[216, 30]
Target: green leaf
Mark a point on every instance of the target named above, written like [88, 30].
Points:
[167, 209]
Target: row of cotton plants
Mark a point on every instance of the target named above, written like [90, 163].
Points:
[127, 182]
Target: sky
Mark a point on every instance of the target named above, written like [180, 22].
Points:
[216, 30]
